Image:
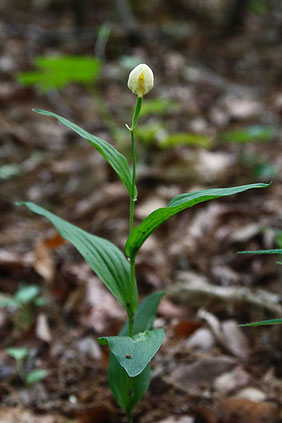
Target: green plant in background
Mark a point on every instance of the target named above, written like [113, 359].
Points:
[257, 133]
[250, 134]
[22, 304]
[273, 251]
[21, 354]
[137, 343]
[56, 72]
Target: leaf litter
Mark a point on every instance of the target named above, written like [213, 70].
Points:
[209, 370]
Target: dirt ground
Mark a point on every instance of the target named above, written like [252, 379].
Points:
[221, 87]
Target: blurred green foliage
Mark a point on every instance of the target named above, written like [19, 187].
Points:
[22, 304]
[278, 237]
[259, 7]
[26, 295]
[159, 106]
[156, 134]
[57, 72]
[11, 170]
[20, 354]
[248, 134]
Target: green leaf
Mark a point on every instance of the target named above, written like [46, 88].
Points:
[133, 354]
[278, 237]
[11, 170]
[145, 314]
[35, 376]
[103, 257]
[249, 134]
[264, 323]
[176, 205]
[18, 353]
[57, 72]
[159, 106]
[127, 391]
[115, 159]
[274, 251]
[186, 138]
[27, 294]
[7, 301]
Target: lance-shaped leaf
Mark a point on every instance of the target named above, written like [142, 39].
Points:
[126, 390]
[107, 261]
[133, 354]
[274, 251]
[181, 202]
[145, 314]
[264, 322]
[113, 157]
[129, 391]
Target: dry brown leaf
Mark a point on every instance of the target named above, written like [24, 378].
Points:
[235, 410]
[185, 328]
[43, 261]
[42, 329]
[227, 334]
[193, 377]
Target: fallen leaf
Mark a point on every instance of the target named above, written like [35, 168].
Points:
[234, 339]
[43, 261]
[231, 381]
[235, 410]
[193, 377]
[201, 339]
[184, 328]
[42, 329]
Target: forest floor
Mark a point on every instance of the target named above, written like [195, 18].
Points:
[227, 93]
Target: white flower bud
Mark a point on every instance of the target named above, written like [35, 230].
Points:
[141, 80]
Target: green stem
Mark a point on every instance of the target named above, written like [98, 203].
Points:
[129, 312]
[132, 199]
[130, 418]
[21, 372]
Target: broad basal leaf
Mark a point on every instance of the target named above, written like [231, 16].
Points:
[176, 205]
[129, 391]
[126, 390]
[133, 354]
[103, 257]
[113, 157]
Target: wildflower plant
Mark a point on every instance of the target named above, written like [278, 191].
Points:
[270, 321]
[20, 354]
[137, 343]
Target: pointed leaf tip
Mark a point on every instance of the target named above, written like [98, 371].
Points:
[181, 202]
[115, 159]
